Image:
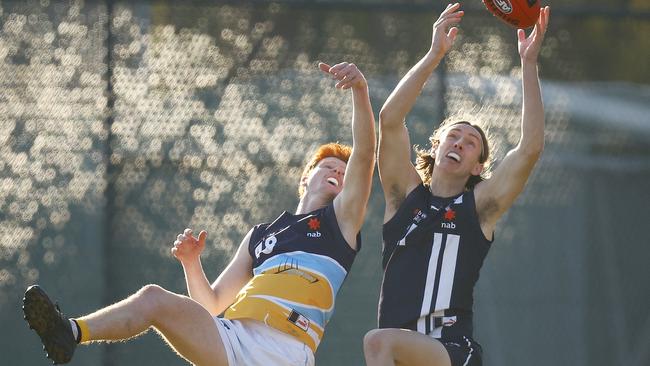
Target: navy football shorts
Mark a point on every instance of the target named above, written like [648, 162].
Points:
[463, 351]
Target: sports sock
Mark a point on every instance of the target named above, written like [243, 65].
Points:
[82, 333]
[75, 330]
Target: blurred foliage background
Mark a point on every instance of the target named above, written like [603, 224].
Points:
[122, 123]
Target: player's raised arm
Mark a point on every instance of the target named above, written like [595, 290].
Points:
[397, 174]
[495, 195]
[350, 204]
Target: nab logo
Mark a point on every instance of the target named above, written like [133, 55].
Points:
[265, 246]
[314, 225]
[450, 215]
[503, 5]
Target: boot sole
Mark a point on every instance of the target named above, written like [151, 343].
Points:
[39, 312]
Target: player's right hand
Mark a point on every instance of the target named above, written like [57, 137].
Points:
[347, 74]
[187, 246]
[444, 30]
[529, 46]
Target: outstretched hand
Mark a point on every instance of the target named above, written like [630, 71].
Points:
[347, 74]
[444, 30]
[188, 247]
[529, 46]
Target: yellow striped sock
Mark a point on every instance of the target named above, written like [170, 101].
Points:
[83, 329]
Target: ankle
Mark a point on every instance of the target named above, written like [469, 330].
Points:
[82, 334]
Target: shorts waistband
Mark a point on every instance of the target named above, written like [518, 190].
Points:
[460, 324]
[441, 321]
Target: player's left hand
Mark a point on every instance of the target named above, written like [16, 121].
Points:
[529, 46]
[347, 74]
[188, 247]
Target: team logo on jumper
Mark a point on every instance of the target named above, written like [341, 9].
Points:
[314, 225]
[418, 216]
[299, 320]
[503, 5]
[449, 216]
[265, 246]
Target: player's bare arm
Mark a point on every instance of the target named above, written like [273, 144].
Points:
[350, 204]
[218, 296]
[397, 174]
[495, 195]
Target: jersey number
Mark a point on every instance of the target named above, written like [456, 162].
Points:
[265, 246]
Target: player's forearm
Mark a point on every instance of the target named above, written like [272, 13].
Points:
[198, 286]
[363, 124]
[351, 203]
[402, 99]
[532, 124]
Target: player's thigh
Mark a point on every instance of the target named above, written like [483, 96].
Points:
[190, 329]
[413, 348]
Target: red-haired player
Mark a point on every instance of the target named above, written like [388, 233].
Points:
[278, 292]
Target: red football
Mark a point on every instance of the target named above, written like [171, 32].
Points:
[518, 13]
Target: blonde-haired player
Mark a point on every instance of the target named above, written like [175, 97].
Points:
[440, 215]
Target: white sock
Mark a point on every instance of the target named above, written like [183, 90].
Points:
[75, 329]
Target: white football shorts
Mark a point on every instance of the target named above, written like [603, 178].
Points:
[249, 342]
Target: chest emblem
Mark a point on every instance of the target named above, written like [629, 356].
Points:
[314, 225]
[449, 217]
[418, 216]
[450, 214]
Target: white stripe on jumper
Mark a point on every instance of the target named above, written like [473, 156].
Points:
[430, 281]
[402, 241]
[448, 272]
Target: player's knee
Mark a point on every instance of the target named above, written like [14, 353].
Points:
[376, 342]
[151, 290]
[152, 298]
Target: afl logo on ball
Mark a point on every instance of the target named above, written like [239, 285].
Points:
[503, 5]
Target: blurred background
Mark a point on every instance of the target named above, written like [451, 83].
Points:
[123, 122]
